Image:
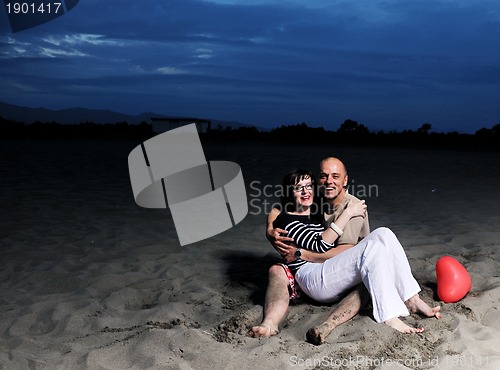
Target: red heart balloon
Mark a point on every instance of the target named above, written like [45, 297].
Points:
[453, 280]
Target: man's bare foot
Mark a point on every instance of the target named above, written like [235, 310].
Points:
[318, 334]
[416, 305]
[263, 330]
[397, 324]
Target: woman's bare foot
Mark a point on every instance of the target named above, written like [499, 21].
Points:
[263, 330]
[318, 334]
[397, 324]
[416, 305]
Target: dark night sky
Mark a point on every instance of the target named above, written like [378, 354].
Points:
[391, 65]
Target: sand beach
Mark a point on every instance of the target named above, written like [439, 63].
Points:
[89, 280]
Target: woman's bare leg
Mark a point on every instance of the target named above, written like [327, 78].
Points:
[276, 303]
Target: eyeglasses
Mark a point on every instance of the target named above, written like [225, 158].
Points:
[300, 189]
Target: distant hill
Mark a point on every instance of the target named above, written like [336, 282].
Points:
[78, 115]
[68, 116]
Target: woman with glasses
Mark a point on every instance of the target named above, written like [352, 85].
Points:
[378, 261]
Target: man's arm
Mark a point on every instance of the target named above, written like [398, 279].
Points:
[270, 232]
[277, 237]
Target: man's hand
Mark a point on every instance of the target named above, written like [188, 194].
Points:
[282, 243]
[288, 252]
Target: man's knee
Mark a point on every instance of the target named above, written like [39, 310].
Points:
[278, 274]
[384, 232]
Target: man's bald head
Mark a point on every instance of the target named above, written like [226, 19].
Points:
[332, 161]
[332, 179]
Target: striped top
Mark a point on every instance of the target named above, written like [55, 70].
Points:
[306, 233]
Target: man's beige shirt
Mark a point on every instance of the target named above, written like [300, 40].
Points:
[357, 227]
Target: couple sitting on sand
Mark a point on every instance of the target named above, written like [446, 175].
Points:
[330, 252]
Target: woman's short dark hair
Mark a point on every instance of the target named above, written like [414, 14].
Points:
[291, 179]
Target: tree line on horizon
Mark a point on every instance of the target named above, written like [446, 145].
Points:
[350, 132]
[353, 133]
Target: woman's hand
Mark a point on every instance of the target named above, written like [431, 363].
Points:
[356, 209]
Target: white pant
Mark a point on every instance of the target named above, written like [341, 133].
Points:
[378, 261]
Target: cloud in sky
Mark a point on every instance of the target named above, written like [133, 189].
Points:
[388, 64]
[167, 70]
